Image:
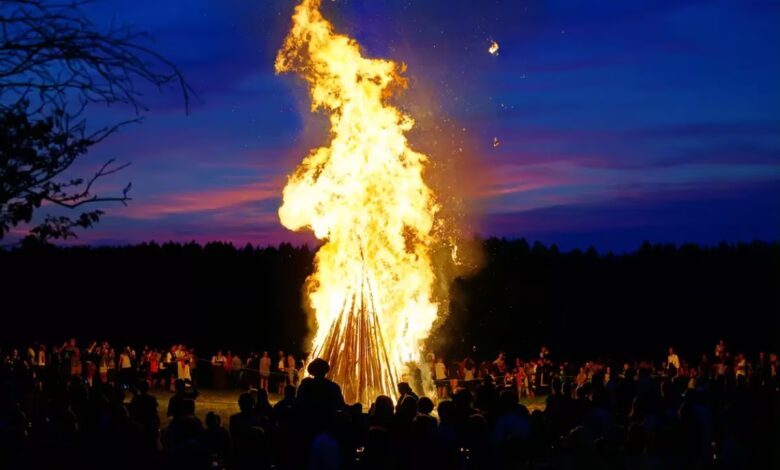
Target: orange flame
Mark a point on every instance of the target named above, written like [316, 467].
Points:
[364, 194]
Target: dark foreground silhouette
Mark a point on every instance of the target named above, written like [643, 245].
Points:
[630, 420]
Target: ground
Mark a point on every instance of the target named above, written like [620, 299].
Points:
[225, 403]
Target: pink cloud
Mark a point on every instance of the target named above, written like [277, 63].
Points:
[511, 179]
[202, 201]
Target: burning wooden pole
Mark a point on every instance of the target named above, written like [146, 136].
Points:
[355, 349]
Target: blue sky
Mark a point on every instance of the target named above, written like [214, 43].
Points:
[618, 121]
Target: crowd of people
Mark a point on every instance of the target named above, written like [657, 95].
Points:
[89, 407]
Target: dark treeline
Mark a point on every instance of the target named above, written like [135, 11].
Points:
[579, 304]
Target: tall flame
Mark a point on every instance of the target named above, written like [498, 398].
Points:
[364, 194]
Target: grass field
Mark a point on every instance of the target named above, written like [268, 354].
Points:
[225, 403]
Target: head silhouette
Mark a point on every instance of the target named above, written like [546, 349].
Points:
[246, 402]
[318, 368]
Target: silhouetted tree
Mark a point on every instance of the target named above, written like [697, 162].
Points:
[576, 303]
[54, 62]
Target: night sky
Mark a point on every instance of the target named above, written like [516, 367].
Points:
[618, 121]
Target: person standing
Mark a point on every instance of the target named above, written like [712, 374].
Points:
[280, 367]
[672, 363]
[165, 369]
[111, 365]
[40, 360]
[75, 363]
[499, 365]
[235, 370]
[265, 370]
[469, 370]
[720, 350]
[184, 371]
[218, 371]
[218, 360]
[440, 374]
[103, 364]
[740, 368]
[290, 370]
[125, 368]
[154, 367]
[193, 363]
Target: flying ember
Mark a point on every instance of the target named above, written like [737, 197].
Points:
[493, 49]
[364, 195]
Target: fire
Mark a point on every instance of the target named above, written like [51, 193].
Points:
[364, 194]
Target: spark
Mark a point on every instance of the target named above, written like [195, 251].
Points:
[493, 49]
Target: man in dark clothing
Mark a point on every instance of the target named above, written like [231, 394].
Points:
[318, 396]
[185, 438]
[242, 422]
[404, 390]
[175, 403]
[143, 410]
[285, 406]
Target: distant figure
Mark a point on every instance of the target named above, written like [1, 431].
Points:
[235, 370]
[183, 371]
[265, 370]
[440, 375]
[740, 367]
[499, 365]
[218, 370]
[75, 363]
[280, 367]
[166, 369]
[218, 360]
[290, 370]
[318, 396]
[581, 378]
[720, 350]
[672, 363]
[154, 368]
[469, 369]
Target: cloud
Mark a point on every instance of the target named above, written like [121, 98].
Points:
[196, 202]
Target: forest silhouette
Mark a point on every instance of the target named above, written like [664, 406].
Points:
[577, 303]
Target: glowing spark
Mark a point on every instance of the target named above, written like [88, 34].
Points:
[493, 49]
[496, 142]
[365, 196]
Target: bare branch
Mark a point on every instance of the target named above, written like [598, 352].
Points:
[54, 63]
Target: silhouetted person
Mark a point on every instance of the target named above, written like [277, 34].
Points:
[241, 422]
[143, 410]
[285, 408]
[181, 394]
[425, 406]
[319, 397]
[263, 407]
[185, 439]
[217, 440]
[381, 412]
[379, 452]
[405, 390]
[253, 454]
